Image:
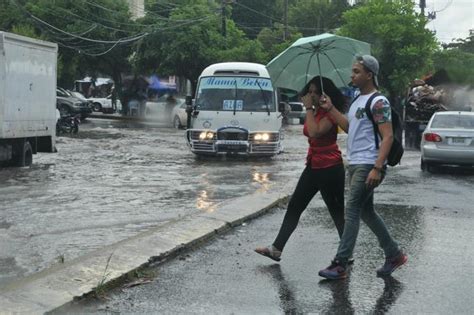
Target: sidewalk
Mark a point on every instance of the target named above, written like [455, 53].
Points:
[52, 288]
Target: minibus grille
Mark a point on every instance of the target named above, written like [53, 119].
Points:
[264, 148]
[232, 134]
[199, 146]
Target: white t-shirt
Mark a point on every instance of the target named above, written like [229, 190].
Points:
[361, 139]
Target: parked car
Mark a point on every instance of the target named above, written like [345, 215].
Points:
[179, 116]
[297, 111]
[104, 104]
[80, 96]
[172, 110]
[67, 104]
[448, 140]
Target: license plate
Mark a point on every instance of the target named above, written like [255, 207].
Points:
[232, 142]
[457, 140]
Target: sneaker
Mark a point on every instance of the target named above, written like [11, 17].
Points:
[335, 271]
[392, 263]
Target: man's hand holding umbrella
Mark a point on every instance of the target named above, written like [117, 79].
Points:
[325, 103]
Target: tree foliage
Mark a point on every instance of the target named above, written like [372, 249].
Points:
[252, 16]
[272, 40]
[458, 64]
[465, 45]
[90, 35]
[312, 17]
[398, 40]
[182, 37]
[191, 39]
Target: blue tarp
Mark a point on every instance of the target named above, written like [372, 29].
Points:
[161, 87]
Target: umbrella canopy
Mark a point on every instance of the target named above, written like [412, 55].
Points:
[326, 55]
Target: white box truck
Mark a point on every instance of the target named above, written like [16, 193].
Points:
[27, 98]
[235, 112]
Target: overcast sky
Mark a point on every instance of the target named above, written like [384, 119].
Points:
[454, 18]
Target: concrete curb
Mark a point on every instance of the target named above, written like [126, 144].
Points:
[59, 285]
[115, 117]
[146, 119]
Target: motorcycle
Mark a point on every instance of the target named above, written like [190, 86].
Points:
[68, 124]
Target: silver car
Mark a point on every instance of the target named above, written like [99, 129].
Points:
[297, 111]
[179, 116]
[448, 140]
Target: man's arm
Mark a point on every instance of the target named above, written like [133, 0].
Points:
[382, 115]
[386, 133]
[337, 116]
[315, 130]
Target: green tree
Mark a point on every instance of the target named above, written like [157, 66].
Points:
[398, 38]
[458, 64]
[11, 16]
[272, 40]
[93, 38]
[466, 45]
[191, 39]
[252, 16]
[312, 17]
[457, 59]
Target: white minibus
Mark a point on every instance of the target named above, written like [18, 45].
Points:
[235, 112]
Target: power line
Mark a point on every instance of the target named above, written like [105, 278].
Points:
[259, 13]
[445, 7]
[123, 40]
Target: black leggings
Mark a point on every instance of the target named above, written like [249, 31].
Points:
[330, 181]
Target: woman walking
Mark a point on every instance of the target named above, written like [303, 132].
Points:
[324, 171]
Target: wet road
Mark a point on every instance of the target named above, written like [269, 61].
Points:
[114, 180]
[429, 214]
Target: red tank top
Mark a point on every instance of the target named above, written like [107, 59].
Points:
[323, 152]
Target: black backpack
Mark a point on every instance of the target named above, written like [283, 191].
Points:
[396, 151]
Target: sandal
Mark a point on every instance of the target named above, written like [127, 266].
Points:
[270, 252]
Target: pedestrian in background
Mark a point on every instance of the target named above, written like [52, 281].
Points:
[324, 169]
[367, 166]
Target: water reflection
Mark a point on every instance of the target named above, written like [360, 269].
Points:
[391, 291]
[341, 303]
[288, 303]
[204, 203]
[263, 179]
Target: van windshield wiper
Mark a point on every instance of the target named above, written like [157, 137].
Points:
[263, 96]
[235, 96]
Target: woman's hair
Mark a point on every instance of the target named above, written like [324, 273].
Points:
[329, 89]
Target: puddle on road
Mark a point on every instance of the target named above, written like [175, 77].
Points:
[114, 180]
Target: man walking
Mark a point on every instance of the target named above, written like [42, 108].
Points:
[367, 166]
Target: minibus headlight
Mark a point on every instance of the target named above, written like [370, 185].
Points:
[261, 137]
[206, 135]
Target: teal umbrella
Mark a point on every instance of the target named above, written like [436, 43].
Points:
[326, 55]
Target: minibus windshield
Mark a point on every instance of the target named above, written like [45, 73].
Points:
[236, 94]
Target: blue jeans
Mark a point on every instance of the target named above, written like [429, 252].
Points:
[360, 205]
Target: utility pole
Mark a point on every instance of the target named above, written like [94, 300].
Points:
[285, 20]
[318, 26]
[422, 7]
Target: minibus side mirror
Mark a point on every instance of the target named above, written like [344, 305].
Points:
[283, 107]
[189, 100]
